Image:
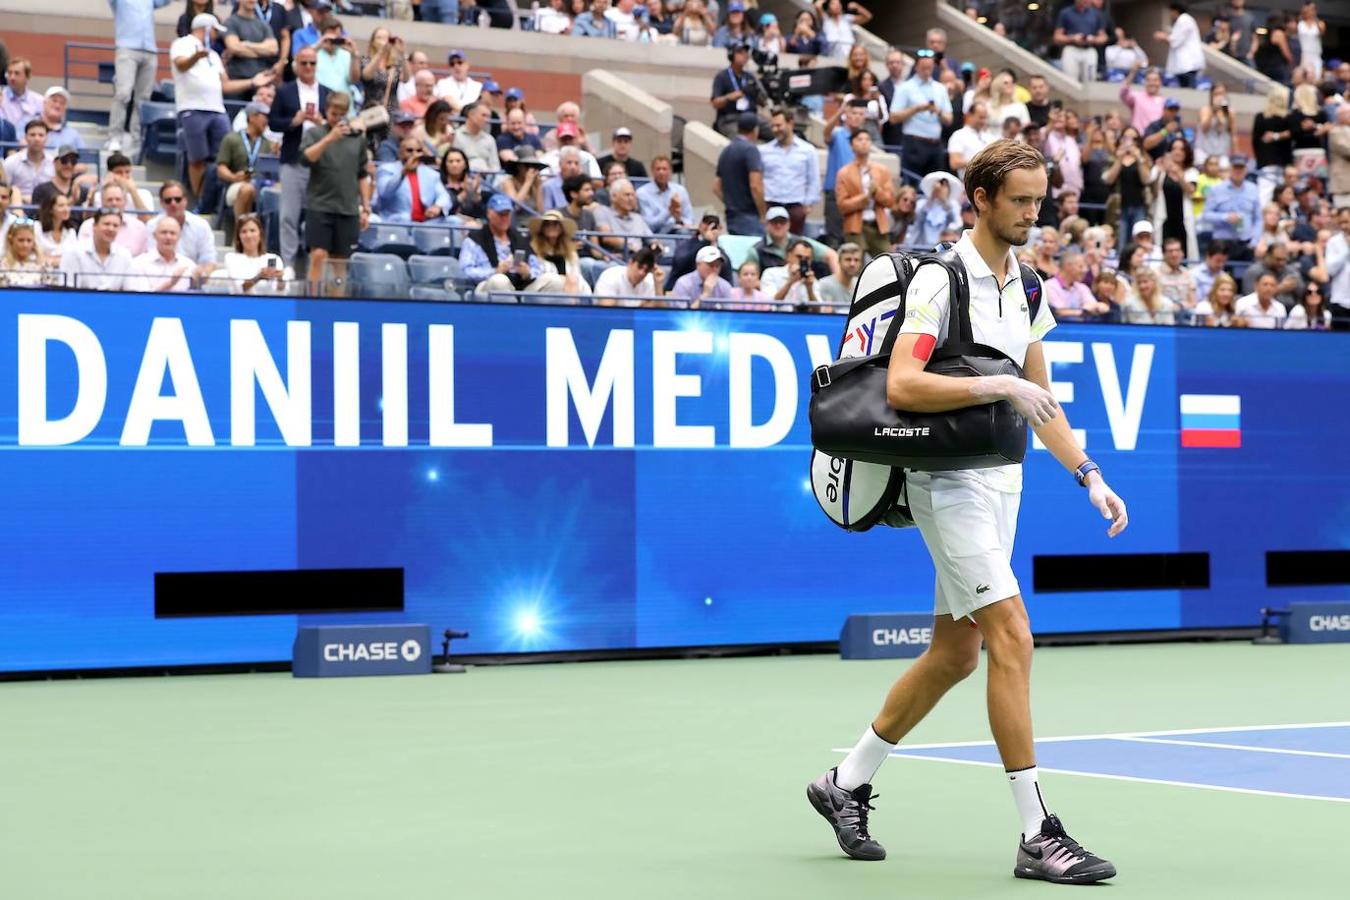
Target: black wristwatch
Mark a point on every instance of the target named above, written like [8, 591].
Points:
[1081, 473]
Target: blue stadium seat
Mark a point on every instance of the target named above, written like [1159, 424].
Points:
[427, 292]
[377, 275]
[384, 237]
[433, 269]
[435, 241]
[159, 131]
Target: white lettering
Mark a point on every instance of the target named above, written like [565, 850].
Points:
[1125, 414]
[668, 387]
[445, 431]
[251, 363]
[883, 637]
[394, 384]
[346, 384]
[567, 378]
[899, 431]
[91, 380]
[166, 351]
[820, 349]
[1329, 623]
[1061, 353]
[743, 350]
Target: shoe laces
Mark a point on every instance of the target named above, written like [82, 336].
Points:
[1059, 838]
[855, 813]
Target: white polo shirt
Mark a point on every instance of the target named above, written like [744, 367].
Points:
[1249, 308]
[198, 88]
[461, 92]
[149, 271]
[1000, 317]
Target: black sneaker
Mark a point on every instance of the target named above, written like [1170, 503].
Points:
[1054, 856]
[846, 811]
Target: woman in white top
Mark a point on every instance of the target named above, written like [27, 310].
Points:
[22, 265]
[1146, 304]
[553, 18]
[1310, 31]
[250, 268]
[1312, 313]
[1214, 136]
[1219, 309]
[836, 24]
[1005, 103]
[55, 233]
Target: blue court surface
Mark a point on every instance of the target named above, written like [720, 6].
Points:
[1309, 761]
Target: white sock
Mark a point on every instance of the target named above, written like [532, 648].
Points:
[863, 760]
[1027, 794]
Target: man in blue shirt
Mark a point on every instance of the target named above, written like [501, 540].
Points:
[409, 190]
[791, 171]
[499, 258]
[922, 108]
[665, 204]
[1233, 211]
[740, 180]
[837, 133]
[1079, 30]
[133, 69]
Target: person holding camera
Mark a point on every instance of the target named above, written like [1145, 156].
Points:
[338, 61]
[795, 280]
[237, 159]
[922, 109]
[499, 258]
[337, 199]
[410, 190]
[735, 91]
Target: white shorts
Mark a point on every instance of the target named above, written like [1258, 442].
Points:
[969, 529]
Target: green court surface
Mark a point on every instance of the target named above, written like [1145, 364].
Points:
[666, 779]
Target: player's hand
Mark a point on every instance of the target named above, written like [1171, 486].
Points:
[1108, 504]
[1037, 405]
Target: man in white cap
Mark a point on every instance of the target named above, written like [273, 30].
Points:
[705, 282]
[620, 151]
[59, 131]
[1142, 233]
[200, 83]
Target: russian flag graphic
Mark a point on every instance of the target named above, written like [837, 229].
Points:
[1211, 420]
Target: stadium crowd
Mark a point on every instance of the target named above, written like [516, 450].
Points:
[1151, 218]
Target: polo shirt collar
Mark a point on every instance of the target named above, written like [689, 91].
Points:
[976, 267]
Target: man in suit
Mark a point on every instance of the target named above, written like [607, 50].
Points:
[297, 108]
[865, 194]
[409, 190]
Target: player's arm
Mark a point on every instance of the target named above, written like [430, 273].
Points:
[910, 388]
[1059, 440]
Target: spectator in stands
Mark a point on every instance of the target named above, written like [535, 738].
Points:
[447, 11]
[892, 132]
[553, 18]
[437, 128]
[665, 204]
[736, 30]
[551, 239]
[1062, 149]
[1146, 105]
[22, 265]
[659, 21]
[846, 119]
[337, 198]
[515, 135]
[1272, 139]
[1125, 54]
[1175, 281]
[265, 96]
[639, 277]
[772, 249]
[568, 137]
[1233, 211]
[747, 287]
[569, 114]
[596, 23]
[735, 91]
[865, 194]
[1259, 308]
[410, 190]
[474, 139]
[275, 14]
[1039, 106]
[836, 24]
[196, 239]
[1005, 104]
[56, 232]
[26, 170]
[878, 113]
[938, 210]
[837, 289]
[1218, 309]
[132, 234]
[423, 96]
[380, 68]
[1160, 133]
[200, 82]
[99, 265]
[580, 208]
[693, 26]
[1272, 54]
[1174, 182]
[524, 177]
[1289, 283]
[250, 268]
[708, 231]
[805, 38]
[770, 38]
[499, 258]
[59, 131]
[338, 62]
[306, 21]
[161, 269]
[622, 218]
[1338, 158]
[193, 9]
[416, 62]
[464, 187]
[1186, 53]
[1242, 30]
[18, 104]
[705, 282]
[64, 182]
[1309, 122]
[134, 64]
[791, 171]
[117, 170]
[621, 150]
[1129, 174]
[295, 112]
[903, 215]
[1068, 296]
[1079, 30]
[1214, 134]
[922, 108]
[739, 182]
[400, 127]
[1205, 272]
[250, 44]
[795, 281]
[1311, 313]
[457, 88]
[1146, 304]
[237, 160]
[568, 166]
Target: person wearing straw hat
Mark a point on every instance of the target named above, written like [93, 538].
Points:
[499, 257]
[552, 239]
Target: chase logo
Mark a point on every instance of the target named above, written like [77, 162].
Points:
[372, 652]
[893, 637]
[347, 650]
[410, 650]
[1329, 623]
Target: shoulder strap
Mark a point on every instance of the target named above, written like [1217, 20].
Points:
[1031, 286]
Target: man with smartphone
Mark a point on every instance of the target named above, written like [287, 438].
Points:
[293, 113]
[498, 256]
[409, 190]
[337, 199]
[922, 109]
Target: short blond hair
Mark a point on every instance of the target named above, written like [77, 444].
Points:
[989, 168]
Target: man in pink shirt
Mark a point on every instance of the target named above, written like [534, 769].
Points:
[1066, 293]
[1146, 104]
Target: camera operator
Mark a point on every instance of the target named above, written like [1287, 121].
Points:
[735, 91]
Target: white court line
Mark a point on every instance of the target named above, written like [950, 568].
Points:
[1121, 735]
[1247, 747]
[1190, 784]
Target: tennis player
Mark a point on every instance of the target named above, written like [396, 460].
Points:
[968, 519]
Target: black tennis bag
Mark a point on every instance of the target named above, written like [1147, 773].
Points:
[863, 446]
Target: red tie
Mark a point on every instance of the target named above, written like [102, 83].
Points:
[418, 213]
